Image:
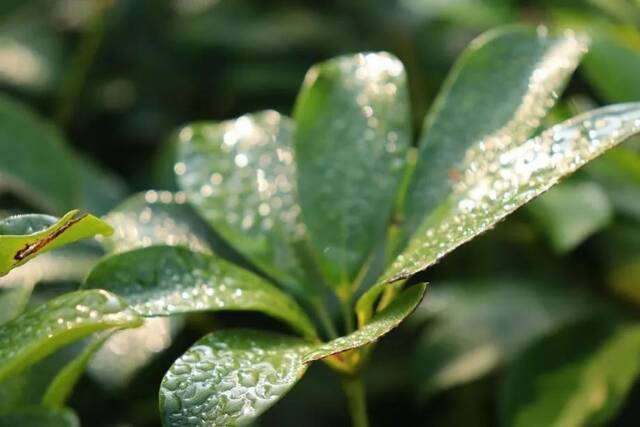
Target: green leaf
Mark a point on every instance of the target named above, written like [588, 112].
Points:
[41, 330]
[167, 280]
[479, 325]
[578, 376]
[353, 131]
[28, 237]
[63, 383]
[613, 68]
[239, 175]
[156, 217]
[39, 417]
[571, 213]
[100, 190]
[230, 378]
[379, 325]
[493, 100]
[495, 183]
[27, 140]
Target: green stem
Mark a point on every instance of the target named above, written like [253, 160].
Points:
[356, 398]
[347, 313]
[325, 319]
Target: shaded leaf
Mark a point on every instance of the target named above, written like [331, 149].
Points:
[239, 175]
[28, 236]
[474, 112]
[27, 140]
[39, 417]
[230, 378]
[571, 213]
[100, 190]
[479, 325]
[353, 131]
[166, 280]
[495, 183]
[379, 325]
[577, 376]
[41, 330]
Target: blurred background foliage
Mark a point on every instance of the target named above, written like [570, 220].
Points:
[531, 323]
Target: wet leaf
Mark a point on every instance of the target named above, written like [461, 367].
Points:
[479, 325]
[571, 213]
[578, 376]
[165, 280]
[239, 175]
[39, 417]
[496, 182]
[493, 100]
[353, 131]
[52, 185]
[230, 378]
[41, 330]
[379, 325]
[23, 237]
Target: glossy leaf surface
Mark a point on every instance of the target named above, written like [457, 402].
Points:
[240, 176]
[494, 183]
[40, 417]
[23, 237]
[353, 130]
[165, 280]
[379, 325]
[578, 376]
[39, 331]
[493, 100]
[479, 325]
[230, 377]
[26, 140]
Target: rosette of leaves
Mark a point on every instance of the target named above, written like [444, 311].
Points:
[334, 205]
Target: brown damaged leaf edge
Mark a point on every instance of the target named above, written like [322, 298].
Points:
[381, 324]
[37, 246]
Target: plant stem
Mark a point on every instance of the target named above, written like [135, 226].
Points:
[356, 399]
[347, 313]
[325, 319]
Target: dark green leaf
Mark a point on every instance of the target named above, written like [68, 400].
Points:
[495, 183]
[493, 100]
[576, 377]
[32, 235]
[41, 330]
[166, 280]
[40, 417]
[353, 131]
[379, 325]
[230, 378]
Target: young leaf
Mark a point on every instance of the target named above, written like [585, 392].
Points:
[27, 140]
[230, 378]
[379, 325]
[495, 183]
[240, 176]
[353, 130]
[166, 280]
[41, 330]
[39, 417]
[578, 376]
[23, 237]
[476, 112]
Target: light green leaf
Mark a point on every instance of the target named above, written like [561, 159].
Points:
[239, 175]
[27, 140]
[353, 131]
[23, 237]
[493, 100]
[41, 330]
[63, 383]
[379, 325]
[166, 280]
[230, 378]
[495, 183]
[576, 377]
[40, 417]
[479, 325]
[571, 213]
